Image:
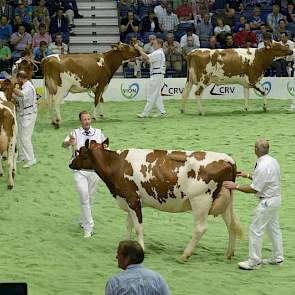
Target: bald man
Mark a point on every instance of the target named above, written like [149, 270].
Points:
[266, 185]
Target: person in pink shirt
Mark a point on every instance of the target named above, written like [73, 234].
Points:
[41, 36]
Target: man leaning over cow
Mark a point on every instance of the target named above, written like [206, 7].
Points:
[266, 185]
[26, 115]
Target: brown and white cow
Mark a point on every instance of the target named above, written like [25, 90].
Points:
[230, 66]
[8, 130]
[171, 181]
[80, 73]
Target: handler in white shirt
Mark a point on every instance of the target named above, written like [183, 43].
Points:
[266, 185]
[26, 115]
[86, 181]
[157, 71]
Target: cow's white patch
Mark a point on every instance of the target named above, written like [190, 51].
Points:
[247, 55]
[54, 55]
[2, 97]
[100, 63]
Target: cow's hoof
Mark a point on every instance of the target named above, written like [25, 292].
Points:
[228, 256]
[1, 174]
[182, 259]
[55, 125]
[265, 108]
[13, 173]
[101, 116]
[182, 111]
[10, 186]
[246, 109]
[201, 114]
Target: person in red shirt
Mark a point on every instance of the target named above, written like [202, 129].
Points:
[245, 34]
[185, 12]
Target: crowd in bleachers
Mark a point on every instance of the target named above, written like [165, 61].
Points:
[189, 24]
[34, 29]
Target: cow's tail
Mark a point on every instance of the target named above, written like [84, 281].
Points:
[188, 85]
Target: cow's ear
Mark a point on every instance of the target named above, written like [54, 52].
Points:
[105, 144]
[87, 143]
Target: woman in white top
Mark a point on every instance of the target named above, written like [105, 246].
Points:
[221, 30]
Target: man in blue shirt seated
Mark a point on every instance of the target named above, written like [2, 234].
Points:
[135, 279]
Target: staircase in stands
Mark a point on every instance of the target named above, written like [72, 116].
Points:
[98, 29]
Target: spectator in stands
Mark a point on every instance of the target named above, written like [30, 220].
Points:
[75, 9]
[255, 20]
[41, 15]
[274, 17]
[173, 53]
[59, 24]
[149, 48]
[38, 54]
[6, 10]
[235, 4]
[43, 35]
[241, 24]
[58, 47]
[265, 37]
[213, 44]
[184, 12]
[129, 25]
[169, 22]
[5, 30]
[150, 23]
[261, 32]
[200, 8]
[67, 10]
[204, 30]
[290, 13]
[221, 30]
[248, 43]
[5, 56]
[229, 41]
[246, 34]
[161, 10]
[20, 41]
[24, 12]
[219, 6]
[189, 33]
[189, 46]
[17, 22]
[229, 18]
[281, 29]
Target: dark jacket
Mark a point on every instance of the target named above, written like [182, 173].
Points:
[146, 25]
[54, 26]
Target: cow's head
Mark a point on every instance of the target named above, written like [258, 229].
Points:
[25, 65]
[7, 87]
[84, 157]
[126, 51]
[278, 49]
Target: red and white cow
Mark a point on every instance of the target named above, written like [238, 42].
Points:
[230, 66]
[171, 181]
[8, 130]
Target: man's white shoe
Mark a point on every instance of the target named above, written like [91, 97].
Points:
[88, 234]
[30, 164]
[246, 266]
[141, 116]
[272, 261]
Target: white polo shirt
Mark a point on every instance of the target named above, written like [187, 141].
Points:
[266, 177]
[82, 135]
[157, 62]
[27, 104]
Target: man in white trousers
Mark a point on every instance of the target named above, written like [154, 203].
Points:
[86, 181]
[157, 63]
[26, 115]
[266, 185]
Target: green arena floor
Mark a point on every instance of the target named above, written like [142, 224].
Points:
[40, 240]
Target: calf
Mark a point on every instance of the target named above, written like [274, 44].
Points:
[171, 181]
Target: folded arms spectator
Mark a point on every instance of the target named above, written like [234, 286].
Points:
[43, 35]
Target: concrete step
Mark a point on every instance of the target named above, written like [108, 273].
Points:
[82, 39]
[101, 30]
[97, 5]
[96, 21]
[99, 13]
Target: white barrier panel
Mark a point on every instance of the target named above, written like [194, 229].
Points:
[135, 89]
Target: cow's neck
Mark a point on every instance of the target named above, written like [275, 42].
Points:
[103, 161]
[113, 59]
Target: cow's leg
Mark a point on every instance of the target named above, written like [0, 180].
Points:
[129, 226]
[200, 208]
[262, 91]
[234, 229]
[1, 168]
[198, 94]
[246, 97]
[98, 102]
[186, 92]
[10, 162]
[138, 226]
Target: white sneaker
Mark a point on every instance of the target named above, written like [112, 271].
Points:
[141, 116]
[272, 261]
[30, 164]
[246, 266]
[88, 234]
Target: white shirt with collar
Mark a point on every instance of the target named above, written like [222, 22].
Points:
[160, 11]
[196, 40]
[27, 104]
[266, 177]
[157, 62]
[82, 135]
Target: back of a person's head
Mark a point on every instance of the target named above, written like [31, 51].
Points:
[132, 250]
